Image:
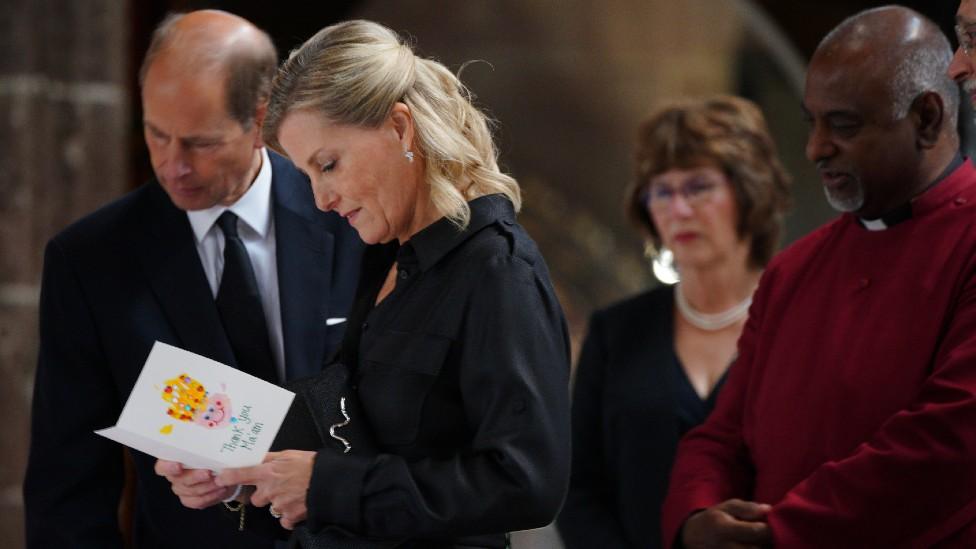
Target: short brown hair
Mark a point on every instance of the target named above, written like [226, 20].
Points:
[729, 133]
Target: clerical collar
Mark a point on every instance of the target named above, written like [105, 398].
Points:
[904, 212]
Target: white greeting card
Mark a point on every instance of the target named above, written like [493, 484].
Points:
[204, 414]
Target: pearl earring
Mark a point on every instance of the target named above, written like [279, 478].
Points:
[409, 155]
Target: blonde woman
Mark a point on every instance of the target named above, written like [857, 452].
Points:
[457, 343]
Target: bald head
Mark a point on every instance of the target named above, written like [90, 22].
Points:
[900, 47]
[217, 42]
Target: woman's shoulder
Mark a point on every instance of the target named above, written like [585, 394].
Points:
[504, 249]
[636, 329]
[650, 304]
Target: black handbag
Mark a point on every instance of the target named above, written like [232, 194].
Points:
[326, 415]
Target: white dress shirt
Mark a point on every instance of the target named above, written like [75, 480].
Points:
[256, 229]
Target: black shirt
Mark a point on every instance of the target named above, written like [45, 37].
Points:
[690, 409]
[462, 372]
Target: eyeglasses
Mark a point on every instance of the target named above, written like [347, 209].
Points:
[695, 191]
[967, 38]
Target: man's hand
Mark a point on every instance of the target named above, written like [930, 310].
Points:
[195, 487]
[732, 524]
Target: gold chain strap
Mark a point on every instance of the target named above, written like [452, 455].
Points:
[241, 508]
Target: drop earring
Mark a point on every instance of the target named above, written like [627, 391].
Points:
[662, 264]
[408, 155]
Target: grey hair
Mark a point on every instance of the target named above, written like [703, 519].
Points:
[249, 65]
[925, 69]
[356, 71]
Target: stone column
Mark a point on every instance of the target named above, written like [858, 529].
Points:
[63, 148]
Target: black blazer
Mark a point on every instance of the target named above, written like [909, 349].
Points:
[115, 282]
[625, 430]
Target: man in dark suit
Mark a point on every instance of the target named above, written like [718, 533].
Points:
[159, 264]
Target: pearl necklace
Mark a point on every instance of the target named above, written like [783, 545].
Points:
[711, 321]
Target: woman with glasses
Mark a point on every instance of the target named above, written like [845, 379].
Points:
[710, 189]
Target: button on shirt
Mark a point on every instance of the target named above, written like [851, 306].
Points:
[256, 228]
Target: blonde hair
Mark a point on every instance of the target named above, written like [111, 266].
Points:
[356, 71]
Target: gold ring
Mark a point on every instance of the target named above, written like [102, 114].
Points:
[274, 512]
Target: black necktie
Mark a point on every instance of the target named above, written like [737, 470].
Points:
[239, 304]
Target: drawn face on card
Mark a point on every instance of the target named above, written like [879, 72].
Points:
[217, 412]
[190, 402]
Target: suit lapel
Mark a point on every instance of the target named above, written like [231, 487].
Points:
[169, 256]
[305, 250]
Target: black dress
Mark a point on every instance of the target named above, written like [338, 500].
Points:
[631, 403]
[462, 375]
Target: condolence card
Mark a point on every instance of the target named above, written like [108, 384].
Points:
[199, 412]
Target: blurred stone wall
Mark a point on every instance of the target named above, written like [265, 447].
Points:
[63, 122]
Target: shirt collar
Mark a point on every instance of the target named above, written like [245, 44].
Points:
[890, 219]
[253, 208]
[431, 244]
[904, 212]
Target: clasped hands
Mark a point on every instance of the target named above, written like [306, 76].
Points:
[731, 524]
[282, 480]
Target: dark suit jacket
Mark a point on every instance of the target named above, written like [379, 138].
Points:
[625, 430]
[115, 282]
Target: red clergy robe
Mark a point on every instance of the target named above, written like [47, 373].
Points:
[852, 406]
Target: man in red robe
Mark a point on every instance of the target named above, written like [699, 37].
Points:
[849, 418]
